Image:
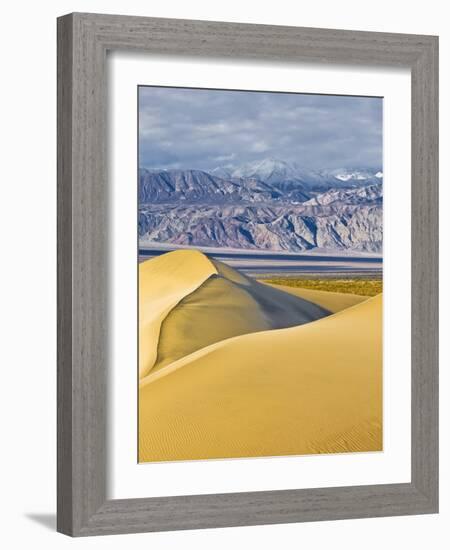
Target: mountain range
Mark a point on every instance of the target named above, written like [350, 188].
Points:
[269, 204]
[279, 172]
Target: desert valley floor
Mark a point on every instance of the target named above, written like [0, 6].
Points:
[234, 367]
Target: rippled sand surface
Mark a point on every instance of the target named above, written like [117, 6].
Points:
[234, 368]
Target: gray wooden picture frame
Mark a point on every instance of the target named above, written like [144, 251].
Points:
[83, 41]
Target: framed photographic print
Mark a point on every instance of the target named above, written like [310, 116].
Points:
[247, 269]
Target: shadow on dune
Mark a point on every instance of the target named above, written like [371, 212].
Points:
[229, 304]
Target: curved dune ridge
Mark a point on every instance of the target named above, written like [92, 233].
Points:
[163, 282]
[223, 377]
[228, 304]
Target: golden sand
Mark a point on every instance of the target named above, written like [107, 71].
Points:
[163, 282]
[333, 301]
[313, 388]
[228, 304]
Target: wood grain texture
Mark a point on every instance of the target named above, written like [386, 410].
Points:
[424, 260]
[83, 41]
[83, 248]
[64, 251]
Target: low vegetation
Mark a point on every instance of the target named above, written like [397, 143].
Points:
[363, 287]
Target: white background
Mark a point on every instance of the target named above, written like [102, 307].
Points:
[28, 310]
[131, 480]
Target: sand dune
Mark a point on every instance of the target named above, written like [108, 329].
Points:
[333, 301]
[163, 282]
[311, 388]
[228, 304]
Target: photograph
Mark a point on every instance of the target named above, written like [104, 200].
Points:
[260, 239]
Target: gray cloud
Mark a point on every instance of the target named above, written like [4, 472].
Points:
[201, 129]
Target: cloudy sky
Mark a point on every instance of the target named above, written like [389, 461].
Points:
[202, 129]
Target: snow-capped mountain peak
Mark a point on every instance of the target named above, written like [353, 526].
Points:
[274, 170]
[269, 170]
[358, 175]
